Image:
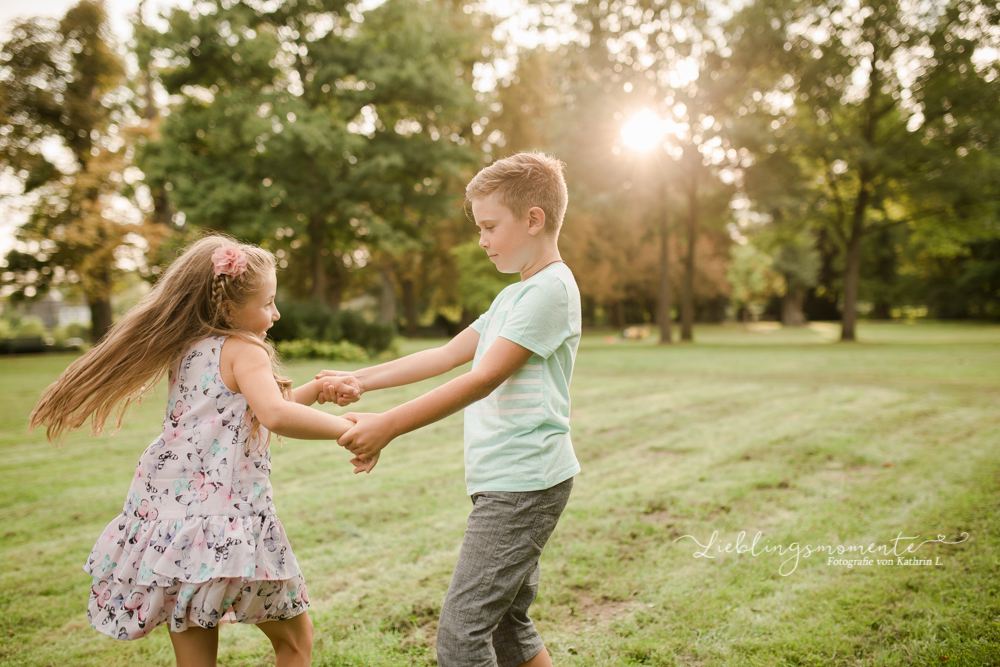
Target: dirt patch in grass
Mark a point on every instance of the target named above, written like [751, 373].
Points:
[418, 628]
[588, 612]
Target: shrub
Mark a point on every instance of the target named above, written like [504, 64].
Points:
[306, 321]
[316, 321]
[312, 349]
[30, 327]
[375, 336]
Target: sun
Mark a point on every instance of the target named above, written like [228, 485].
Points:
[644, 131]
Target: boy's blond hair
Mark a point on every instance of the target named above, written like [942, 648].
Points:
[522, 181]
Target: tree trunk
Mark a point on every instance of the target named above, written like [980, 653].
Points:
[468, 317]
[589, 308]
[852, 268]
[387, 302]
[687, 294]
[618, 314]
[334, 285]
[882, 310]
[100, 306]
[317, 238]
[665, 301]
[100, 318]
[410, 307]
[791, 308]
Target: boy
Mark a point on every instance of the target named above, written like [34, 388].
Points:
[518, 455]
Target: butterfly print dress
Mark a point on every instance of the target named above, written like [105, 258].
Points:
[197, 540]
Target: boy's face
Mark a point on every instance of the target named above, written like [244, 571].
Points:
[507, 240]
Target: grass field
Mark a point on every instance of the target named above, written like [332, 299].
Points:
[784, 432]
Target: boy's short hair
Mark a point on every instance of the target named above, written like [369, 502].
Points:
[522, 181]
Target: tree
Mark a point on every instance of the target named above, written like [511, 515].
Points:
[668, 61]
[865, 100]
[753, 278]
[61, 85]
[316, 128]
[798, 263]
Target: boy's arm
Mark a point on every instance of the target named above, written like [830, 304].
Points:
[414, 367]
[374, 431]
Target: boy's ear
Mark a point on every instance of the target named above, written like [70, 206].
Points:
[536, 220]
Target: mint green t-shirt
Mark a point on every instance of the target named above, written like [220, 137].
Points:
[517, 438]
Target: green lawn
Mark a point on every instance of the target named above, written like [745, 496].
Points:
[779, 431]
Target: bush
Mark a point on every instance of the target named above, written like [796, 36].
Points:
[312, 349]
[375, 336]
[318, 322]
[77, 330]
[31, 327]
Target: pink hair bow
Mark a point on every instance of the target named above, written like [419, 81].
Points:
[230, 261]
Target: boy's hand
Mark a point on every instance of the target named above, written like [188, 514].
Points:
[369, 435]
[340, 388]
[364, 466]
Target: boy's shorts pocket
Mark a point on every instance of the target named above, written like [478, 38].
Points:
[550, 506]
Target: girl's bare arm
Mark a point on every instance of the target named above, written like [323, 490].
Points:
[251, 368]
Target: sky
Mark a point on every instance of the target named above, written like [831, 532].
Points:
[117, 9]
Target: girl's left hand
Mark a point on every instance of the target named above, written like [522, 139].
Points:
[364, 466]
[369, 435]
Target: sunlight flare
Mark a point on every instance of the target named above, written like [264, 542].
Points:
[644, 131]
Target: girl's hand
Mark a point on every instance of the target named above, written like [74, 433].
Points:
[364, 466]
[369, 435]
[340, 388]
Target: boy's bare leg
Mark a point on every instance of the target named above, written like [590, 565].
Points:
[292, 640]
[196, 647]
[541, 659]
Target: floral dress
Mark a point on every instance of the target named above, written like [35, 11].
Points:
[198, 540]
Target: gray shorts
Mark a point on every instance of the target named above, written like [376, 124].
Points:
[484, 619]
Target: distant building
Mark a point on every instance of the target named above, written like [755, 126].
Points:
[54, 311]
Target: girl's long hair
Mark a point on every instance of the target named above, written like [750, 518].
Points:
[186, 305]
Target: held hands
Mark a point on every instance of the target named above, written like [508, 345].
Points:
[363, 466]
[339, 387]
[366, 439]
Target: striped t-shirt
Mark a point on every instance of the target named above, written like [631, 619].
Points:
[517, 438]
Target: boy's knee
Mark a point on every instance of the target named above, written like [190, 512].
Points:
[447, 633]
[453, 639]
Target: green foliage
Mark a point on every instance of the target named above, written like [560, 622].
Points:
[311, 349]
[481, 281]
[352, 134]
[855, 128]
[375, 336]
[798, 261]
[967, 286]
[60, 84]
[753, 276]
[30, 327]
[316, 321]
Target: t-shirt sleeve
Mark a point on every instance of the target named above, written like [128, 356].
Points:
[539, 319]
[479, 324]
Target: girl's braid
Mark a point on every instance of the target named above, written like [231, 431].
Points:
[219, 293]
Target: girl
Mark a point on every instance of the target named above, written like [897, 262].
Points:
[197, 541]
